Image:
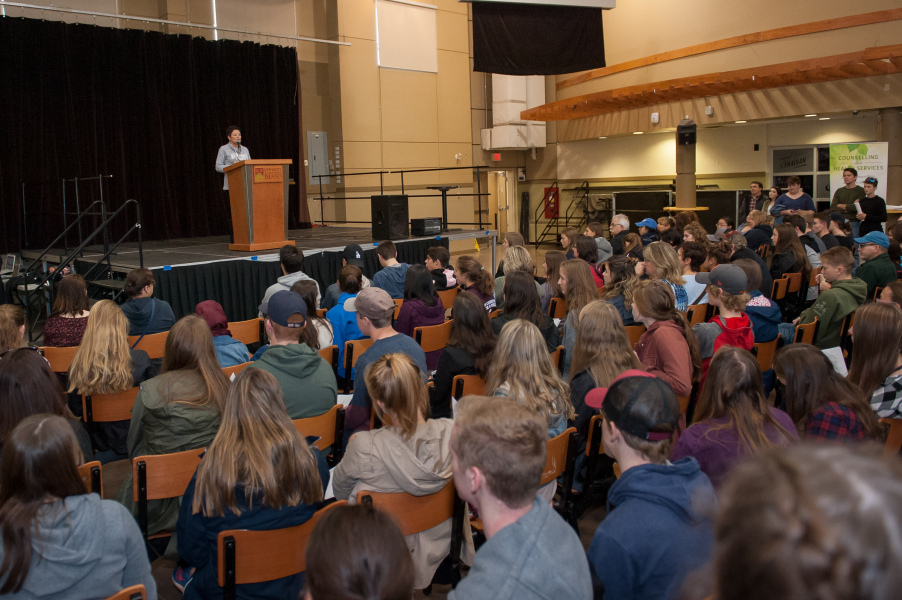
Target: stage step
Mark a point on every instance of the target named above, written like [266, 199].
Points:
[110, 284]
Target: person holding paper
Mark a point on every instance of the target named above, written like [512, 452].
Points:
[871, 208]
[845, 197]
[231, 153]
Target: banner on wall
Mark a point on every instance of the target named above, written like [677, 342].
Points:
[870, 159]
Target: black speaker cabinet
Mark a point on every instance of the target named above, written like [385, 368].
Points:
[424, 227]
[390, 217]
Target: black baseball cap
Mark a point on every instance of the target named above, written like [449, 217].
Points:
[641, 388]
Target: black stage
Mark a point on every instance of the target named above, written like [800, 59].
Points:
[188, 271]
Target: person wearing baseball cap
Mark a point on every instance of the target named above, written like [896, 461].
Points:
[727, 287]
[877, 270]
[307, 381]
[375, 309]
[872, 215]
[351, 255]
[648, 230]
[657, 529]
[291, 259]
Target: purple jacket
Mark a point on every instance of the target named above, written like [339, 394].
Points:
[414, 313]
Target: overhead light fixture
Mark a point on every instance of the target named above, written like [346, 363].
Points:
[604, 137]
[739, 121]
[810, 115]
[824, 119]
[638, 132]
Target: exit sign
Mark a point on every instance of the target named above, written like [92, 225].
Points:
[496, 156]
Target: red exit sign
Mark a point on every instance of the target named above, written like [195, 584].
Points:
[496, 156]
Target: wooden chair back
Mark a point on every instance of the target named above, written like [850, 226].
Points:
[557, 308]
[600, 291]
[92, 474]
[154, 344]
[795, 282]
[328, 427]
[762, 250]
[765, 352]
[893, 444]
[60, 359]
[448, 296]
[812, 279]
[877, 291]
[160, 476]
[494, 313]
[330, 355]
[468, 385]
[105, 408]
[354, 349]
[245, 556]
[398, 302]
[321, 312]
[778, 291]
[806, 334]
[557, 358]
[433, 337]
[234, 370]
[560, 462]
[135, 592]
[634, 332]
[247, 332]
[697, 313]
[594, 445]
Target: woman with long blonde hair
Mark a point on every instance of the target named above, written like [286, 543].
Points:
[258, 473]
[409, 454]
[602, 352]
[733, 419]
[511, 239]
[516, 259]
[177, 410]
[578, 287]
[104, 364]
[12, 327]
[551, 267]
[663, 263]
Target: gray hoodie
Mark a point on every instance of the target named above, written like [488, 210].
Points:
[286, 281]
[85, 548]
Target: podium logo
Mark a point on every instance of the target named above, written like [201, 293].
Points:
[267, 174]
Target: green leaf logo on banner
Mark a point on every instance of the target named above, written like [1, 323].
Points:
[862, 149]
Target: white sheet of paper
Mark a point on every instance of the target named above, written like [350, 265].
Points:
[345, 399]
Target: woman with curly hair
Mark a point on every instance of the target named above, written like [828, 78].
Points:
[620, 280]
[663, 263]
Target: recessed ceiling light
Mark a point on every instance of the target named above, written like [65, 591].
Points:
[739, 121]
[810, 115]
[824, 119]
[604, 137]
[638, 132]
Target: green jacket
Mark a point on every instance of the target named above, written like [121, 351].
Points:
[877, 272]
[831, 307]
[161, 424]
[848, 197]
[307, 381]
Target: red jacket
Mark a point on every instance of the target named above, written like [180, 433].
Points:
[736, 331]
[664, 352]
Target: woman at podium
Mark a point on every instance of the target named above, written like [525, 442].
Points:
[231, 153]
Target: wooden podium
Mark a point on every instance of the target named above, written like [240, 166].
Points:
[257, 191]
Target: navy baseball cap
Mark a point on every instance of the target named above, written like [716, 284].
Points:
[353, 255]
[874, 237]
[282, 305]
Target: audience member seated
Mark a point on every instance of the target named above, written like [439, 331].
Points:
[579, 289]
[892, 293]
[518, 259]
[57, 540]
[307, 381]
[568, 240]
[657, 529]
[760, 231]
[733, 420]
[719, 253]
[498, 451]
[391, 276]
[351, 255]
[619, 228]
[410, 454]
[877, 270]
[821, 228]
[727, 285]
[176, 411]
[104, 364]
[374, 310]
[823, 404]
[438, 261]
[668, 348]
[648, 231]
[473, 278]
[878, 370]
[29, 387]
[665, 224]
[511, 239]
[663, 263]
[522, 302]
[66, 324]
[620, 280]
[842, 231]
[344, 321]
[789, 257]
[469, 351]
[258, 473]
[694, 232]
[672, 238]
[595, 230]
[724, 229]
[229, 351]
[318, 331]
[764, 313]
[692, 256]
[740, 251]
[632, 246]
[356, 552]
[808, 239]
[551, 267]
[421, 308]
[146, 315]
[291, 259]
[586, 250]
[522, 370]
[601, 354]
[810, 522]
[12, 328]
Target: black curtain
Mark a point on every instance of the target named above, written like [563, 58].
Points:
[151, 109]
[532, 39]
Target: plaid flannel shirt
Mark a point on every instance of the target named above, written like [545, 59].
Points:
[886, 400]
[833, 421]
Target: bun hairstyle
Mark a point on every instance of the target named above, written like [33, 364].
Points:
[472, 269]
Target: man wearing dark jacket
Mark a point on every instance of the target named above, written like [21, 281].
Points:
[754, 201]
[877, 270]
[620, 226]
[738, 242]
